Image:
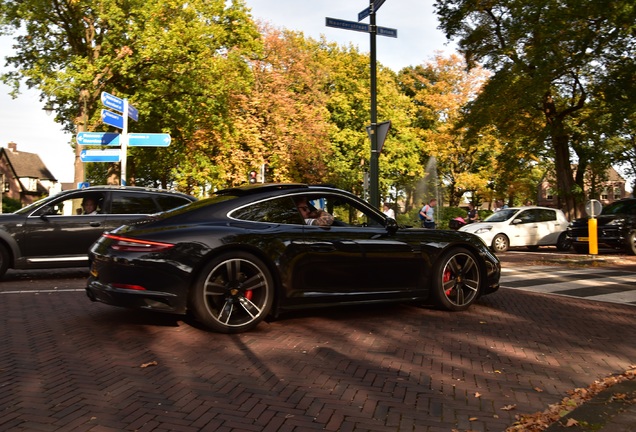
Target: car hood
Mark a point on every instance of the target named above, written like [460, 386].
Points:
[600, 220]
[477, 225]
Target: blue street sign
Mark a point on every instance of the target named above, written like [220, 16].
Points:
[361, 27]
[347, 25]
[133, 113]
[113, 102]
[149, 140]
[385, 31]
[108, 155]
[377, 4]
[110, 118]
[365, 13]
[98, 138]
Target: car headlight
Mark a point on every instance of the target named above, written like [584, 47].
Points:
[617, 221]
[482, 230]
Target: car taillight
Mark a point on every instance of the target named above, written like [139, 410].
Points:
[129, 287]
[135, 245]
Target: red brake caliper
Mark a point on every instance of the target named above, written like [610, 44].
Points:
[446, 278]
[249, 294]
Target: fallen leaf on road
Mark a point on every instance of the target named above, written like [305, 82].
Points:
[152, 363]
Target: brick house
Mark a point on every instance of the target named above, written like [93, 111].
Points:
[24, 176]
[607, 192]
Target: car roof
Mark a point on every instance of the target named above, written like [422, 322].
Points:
[103, 188]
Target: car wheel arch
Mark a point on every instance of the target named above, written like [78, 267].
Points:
[240, 248]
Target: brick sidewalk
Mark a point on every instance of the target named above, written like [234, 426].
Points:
[71, 365]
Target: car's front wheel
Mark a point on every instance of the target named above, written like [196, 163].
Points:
[500, 243]
[233, 293]
[456, 280]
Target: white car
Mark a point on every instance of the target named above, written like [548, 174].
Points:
[523, 226]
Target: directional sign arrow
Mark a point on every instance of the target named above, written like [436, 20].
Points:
[108, 155]
[149, 139]
[110, 118]
[112, 102]
[98, 138]
[117, 104]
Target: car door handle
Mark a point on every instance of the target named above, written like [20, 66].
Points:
[95, 224]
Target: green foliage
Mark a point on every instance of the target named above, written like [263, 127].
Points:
[9, 205]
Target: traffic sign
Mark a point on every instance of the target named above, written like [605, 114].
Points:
[110, 118]
[133, 113]
[108, 155]
[386, 31]
[98, 138]
[149, 139]
[113, 102]
[347, 25]
[377, 4]
[365, 13]
[361, 27]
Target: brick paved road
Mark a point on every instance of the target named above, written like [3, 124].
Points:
[70, 365]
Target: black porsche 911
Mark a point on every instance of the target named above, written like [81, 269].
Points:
[256, 251]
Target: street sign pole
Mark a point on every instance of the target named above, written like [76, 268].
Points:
[124, 143]
[374, 161]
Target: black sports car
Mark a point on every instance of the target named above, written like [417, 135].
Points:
[255, 251]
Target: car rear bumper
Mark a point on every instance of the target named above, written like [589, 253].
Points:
[137, 299]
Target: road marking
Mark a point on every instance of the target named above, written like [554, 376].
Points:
[599, 284]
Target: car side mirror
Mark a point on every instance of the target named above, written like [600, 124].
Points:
[391, 225]
[517, 221]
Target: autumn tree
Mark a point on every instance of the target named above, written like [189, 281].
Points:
[441, 89]
[179, 63]
[545, 56]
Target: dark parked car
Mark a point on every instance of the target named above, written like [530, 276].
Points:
[616, 228]
[248, 253]
[54, 233]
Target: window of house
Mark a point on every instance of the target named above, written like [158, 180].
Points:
[604, 194]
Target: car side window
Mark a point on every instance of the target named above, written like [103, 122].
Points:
[279, 210]
[547, 215]
[70, 205]
[528, 216]
[133, 203]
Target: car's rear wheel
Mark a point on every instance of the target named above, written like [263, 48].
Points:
[564, 243]
[233, 293]
[500, 243]
[456, 280]
[631, 243]
[4, 260]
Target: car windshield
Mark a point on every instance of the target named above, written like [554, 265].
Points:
[501, 215]
[620, 207]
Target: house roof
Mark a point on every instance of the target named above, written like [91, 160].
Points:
[27, 165]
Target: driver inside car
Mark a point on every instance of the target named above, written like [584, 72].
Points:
[312, 215]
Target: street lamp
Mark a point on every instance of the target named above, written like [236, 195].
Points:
[80, 126]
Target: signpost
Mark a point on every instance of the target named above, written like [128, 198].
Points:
[98, 138]
[108, 155]
[123, 140]
[372, 29]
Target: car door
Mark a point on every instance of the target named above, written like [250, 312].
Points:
[355, 256]
[549, 227]
[57, 232]
[527, 225]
